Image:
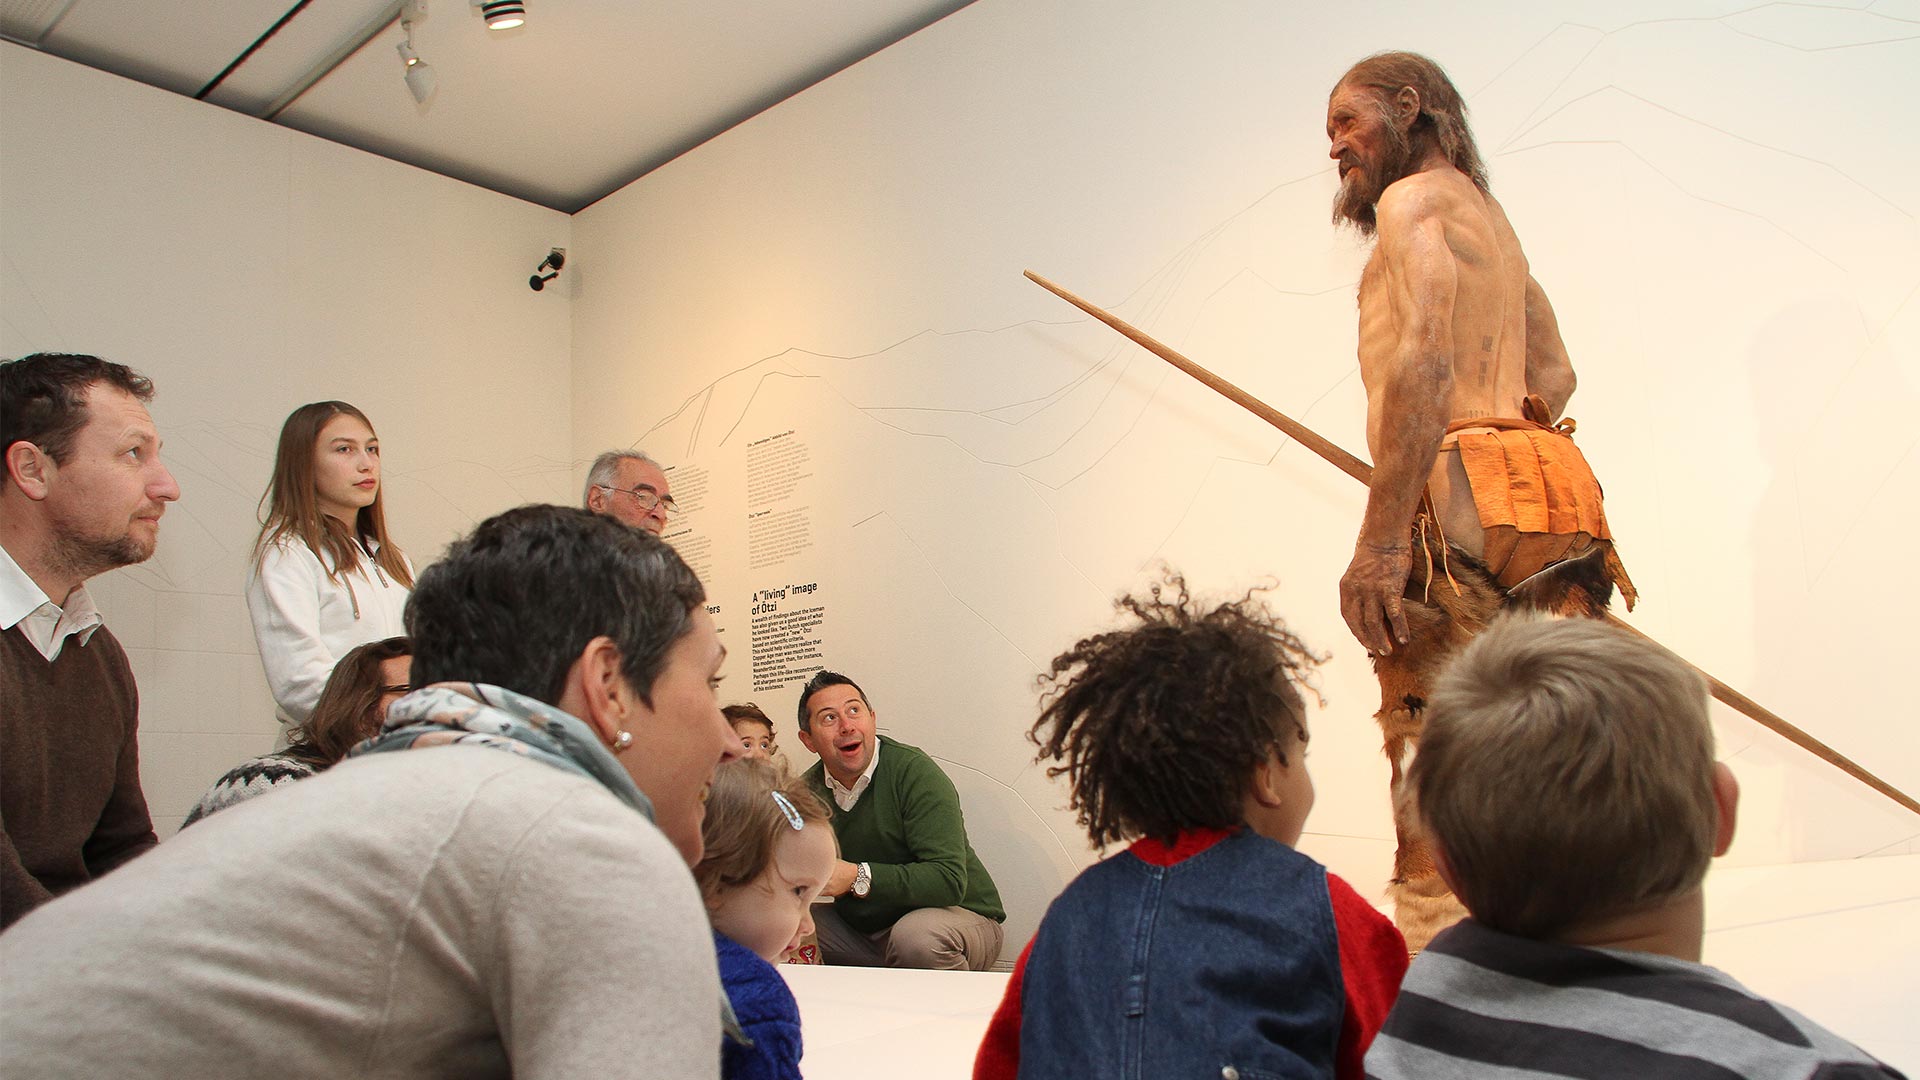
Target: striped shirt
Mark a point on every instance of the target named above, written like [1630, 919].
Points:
[1485, 1005]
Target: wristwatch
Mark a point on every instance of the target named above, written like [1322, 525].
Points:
[862, 881]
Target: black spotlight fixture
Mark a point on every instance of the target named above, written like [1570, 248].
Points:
[555, 259]
[502, 14]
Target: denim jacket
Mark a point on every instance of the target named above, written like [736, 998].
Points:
[1223, 965]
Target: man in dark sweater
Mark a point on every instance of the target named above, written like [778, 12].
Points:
[908, 891]
[81, 492]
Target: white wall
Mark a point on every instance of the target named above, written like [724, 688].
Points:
[249, 269]
[1719, 199]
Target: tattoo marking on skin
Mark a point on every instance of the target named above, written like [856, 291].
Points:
[1486, 346]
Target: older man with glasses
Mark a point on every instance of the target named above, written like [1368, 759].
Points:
[631, 488]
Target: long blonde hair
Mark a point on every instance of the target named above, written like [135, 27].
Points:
[292, 504]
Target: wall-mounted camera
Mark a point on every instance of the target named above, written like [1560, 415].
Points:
[548, 269]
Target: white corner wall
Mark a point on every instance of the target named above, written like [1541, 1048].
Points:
[249, 269]
[1719, 198]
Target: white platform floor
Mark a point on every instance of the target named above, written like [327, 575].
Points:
[1838, 941]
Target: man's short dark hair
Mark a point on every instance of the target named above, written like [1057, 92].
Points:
[515, 603]
[43, 398]
[820, 681]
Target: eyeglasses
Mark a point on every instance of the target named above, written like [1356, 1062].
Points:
[645, 498]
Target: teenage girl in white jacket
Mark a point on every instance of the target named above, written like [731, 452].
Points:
[325, 576]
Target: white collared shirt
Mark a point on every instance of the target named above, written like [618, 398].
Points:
[845, 797]
[45, 623]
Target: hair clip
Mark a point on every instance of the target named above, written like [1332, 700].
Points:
[786, 807]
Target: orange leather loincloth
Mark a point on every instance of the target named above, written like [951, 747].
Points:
[1538, 501]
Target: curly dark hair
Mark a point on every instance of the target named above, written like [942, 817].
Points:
[1160, 726]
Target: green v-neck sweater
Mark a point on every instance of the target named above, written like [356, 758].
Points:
[908, 828]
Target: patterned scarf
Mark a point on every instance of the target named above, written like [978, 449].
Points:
[476, 714]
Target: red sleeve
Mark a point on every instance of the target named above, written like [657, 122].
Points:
[1373, 960]
[999, 1056]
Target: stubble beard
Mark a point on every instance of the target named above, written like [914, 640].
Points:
[87, 556]
[1356, 203]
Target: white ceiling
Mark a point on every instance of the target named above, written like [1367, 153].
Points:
[587, 96]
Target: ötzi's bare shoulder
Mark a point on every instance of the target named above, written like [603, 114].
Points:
[1412, 201]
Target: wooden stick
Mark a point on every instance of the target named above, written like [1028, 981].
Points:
[1363, 472]
[1294, 429]
[1767, 718]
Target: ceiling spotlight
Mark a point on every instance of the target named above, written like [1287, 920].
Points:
[502, 14]
[420, 78]
[420, 81]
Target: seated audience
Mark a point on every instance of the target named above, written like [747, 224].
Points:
[909, 890]
[769, 853]
[498, 885]
[326, 575]
[1187, 735]
[1568, 782]
[351, 708]
[631, 488]
[82, 489]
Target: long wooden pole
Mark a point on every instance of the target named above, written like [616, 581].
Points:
[1363, 472]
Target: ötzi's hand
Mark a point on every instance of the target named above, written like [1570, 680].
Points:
[1370, 594]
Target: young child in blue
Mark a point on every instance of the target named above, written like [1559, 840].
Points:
[1209, 947]
[769, 852]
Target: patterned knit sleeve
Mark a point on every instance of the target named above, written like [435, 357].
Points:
[1373, 960]
[246, 780]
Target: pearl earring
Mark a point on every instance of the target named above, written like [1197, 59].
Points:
[622, 741]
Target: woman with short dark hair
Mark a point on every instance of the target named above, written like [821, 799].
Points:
[494, 886]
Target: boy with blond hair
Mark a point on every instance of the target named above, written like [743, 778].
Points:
[1568, 782]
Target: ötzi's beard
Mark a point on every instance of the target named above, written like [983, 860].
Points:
[1353, 205]
[1356, 203]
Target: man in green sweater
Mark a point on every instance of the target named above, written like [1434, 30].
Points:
[908, 891]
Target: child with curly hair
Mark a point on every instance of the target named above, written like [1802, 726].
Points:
[1209, 947]
[769, 851]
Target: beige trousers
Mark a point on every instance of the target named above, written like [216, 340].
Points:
[951, 938]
